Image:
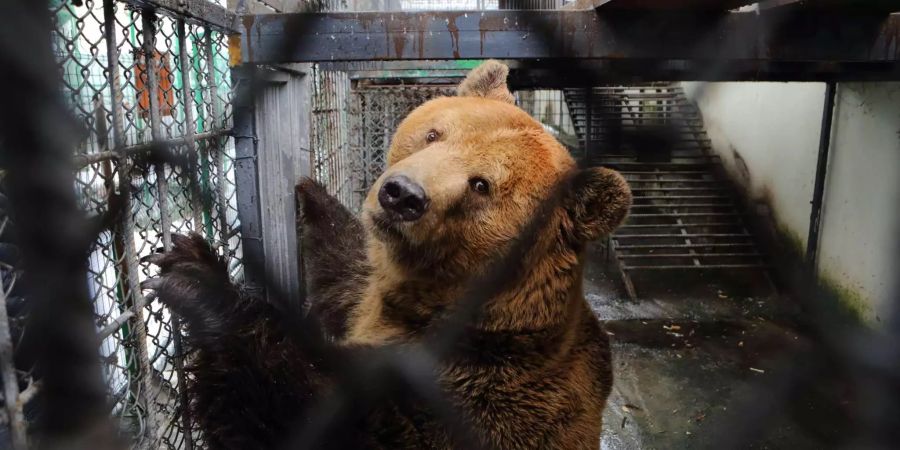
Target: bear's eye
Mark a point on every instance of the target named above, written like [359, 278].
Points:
[479, 185]
[432, 136]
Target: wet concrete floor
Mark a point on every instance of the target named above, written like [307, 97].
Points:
[691, 364]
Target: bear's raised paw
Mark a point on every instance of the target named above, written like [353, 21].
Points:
[193, 281]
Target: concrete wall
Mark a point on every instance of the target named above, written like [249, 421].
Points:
[767, 135]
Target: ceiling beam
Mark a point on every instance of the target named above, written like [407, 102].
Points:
[710, 42]
[664, 5]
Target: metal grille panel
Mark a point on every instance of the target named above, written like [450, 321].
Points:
[133, 77]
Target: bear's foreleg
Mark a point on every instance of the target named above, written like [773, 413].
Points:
[333, 245]
[249, 380]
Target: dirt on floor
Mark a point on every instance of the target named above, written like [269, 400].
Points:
[701, 368]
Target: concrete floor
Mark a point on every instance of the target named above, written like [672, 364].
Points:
[689, 362]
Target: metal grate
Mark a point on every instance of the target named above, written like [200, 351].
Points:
[133, 77]
[375, 113]
[329, 133]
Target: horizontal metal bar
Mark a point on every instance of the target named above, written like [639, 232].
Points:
[80, 161]
[683, 215]
[695, 5]
[693, 267]
[203, 12]
[705, 46]
[689, 255]
[403, 74]
[686, 205]
[660, 246]
[680, 197]
[680, 236]
[668, 165]
[114, 324]
[683, 225]
[677, 189]
[663, 172]
[674, 181]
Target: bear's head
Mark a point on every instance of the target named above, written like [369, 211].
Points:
[466, 173]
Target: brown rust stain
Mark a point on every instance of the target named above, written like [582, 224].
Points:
[454, 34]
[890, 38]
[234, 50]
[420, 35]
[248, 25]
[486, 25]
[399, 44]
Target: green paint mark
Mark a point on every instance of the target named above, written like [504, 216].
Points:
[467, 63]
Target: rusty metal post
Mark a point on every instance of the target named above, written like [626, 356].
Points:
[815, 213]
[186, 95]
[189, 126]
[14, 416]
[217, 121]
[139, 327]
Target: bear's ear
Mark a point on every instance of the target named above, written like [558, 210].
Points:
[487, 80]
[598, 203]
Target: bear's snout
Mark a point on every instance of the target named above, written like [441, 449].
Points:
[403, 197]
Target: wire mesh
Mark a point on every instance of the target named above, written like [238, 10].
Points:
[133, 77]
[375, 113]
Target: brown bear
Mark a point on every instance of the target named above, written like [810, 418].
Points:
[477, 202]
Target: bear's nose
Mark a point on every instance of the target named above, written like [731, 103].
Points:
[404, 197]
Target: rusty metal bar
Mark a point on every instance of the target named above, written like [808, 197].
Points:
[693, 5]
[695, 46]
[189, 124]
[196, 202]
[681, 236]
[815, 213]
[219, 149]
[149, 20]
[139, 327]
[80, 161]
[201, 11]
[696, 267]
[654, 246]
[14, 413]
[689, 255]
[114, 325]
[677, 225]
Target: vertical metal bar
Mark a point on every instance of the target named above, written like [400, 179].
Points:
[124, 240]
[217, 122]
[186, 97]
[149, 29]
[588, 123]
[15, 417]
[189, 126]
[246, 174]
[815, 214]
[138, 301]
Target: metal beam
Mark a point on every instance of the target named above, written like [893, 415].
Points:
[203, 12]
[815, 213]
[694, 5]
[711, 43]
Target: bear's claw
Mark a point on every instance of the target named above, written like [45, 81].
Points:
[152, 284]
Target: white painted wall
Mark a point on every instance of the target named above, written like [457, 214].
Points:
[767, 135]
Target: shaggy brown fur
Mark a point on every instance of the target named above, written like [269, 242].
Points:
[333, 243]
[532, 371]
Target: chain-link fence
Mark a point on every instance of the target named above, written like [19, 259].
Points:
[376, 111]
[134, 77]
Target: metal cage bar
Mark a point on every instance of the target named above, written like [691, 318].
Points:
[144, 78]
